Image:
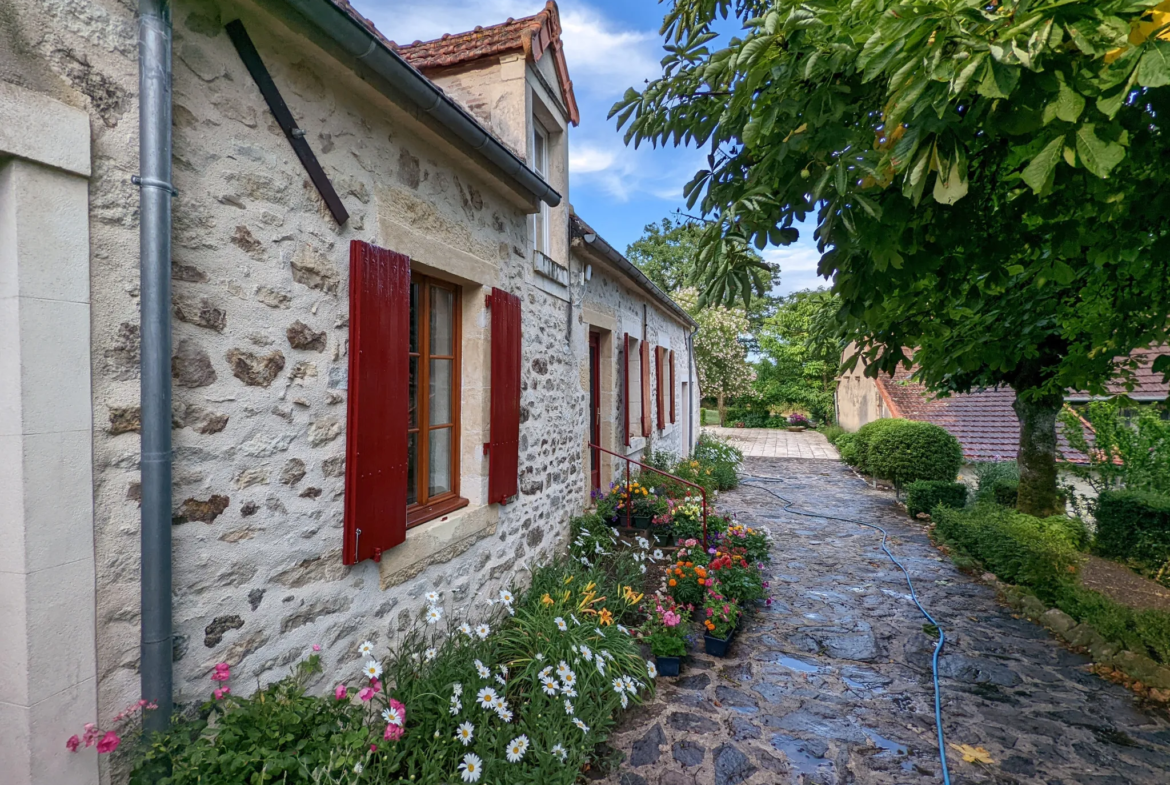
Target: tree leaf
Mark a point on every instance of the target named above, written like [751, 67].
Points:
[1069, 103]
[972, 754]
[1154, 68]
[952, 187]
[1097, 155]
[1041, 171]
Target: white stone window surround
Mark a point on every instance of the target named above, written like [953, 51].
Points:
[48, 663]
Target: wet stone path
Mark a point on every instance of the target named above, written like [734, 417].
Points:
[831, 684]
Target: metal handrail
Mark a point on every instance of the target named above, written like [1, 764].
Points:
[676, 478]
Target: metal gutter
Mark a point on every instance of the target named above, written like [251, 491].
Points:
[582, 231]
[155, 193]
[358, 40]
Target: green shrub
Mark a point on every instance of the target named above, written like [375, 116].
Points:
[864, 438]
[914, 451]
[988, 473]
[1040, 553]
[925, 495]
[1134, 525]
[846, 445]
[721, 459]
[832, 432]
[1144, 632]
[1005, 492]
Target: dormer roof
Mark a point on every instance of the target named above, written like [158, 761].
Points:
[535, 36]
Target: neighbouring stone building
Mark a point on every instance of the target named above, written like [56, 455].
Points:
[460, 162]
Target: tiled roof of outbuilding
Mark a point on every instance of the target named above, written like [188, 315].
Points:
[533, 35]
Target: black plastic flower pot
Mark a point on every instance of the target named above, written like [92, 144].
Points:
[717, 647]
[640, 521]
[664, 536]
[668, 666]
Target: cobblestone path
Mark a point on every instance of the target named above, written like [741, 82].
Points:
[831, 684]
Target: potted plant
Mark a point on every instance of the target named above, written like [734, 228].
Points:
[720, 623]
[645, 505]
[663, 527]
[797, 422]
[666, 624]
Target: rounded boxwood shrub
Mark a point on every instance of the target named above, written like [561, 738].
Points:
[914, 451]
[865, 436]
[925, 495]
[1133, 525]
[846, 445]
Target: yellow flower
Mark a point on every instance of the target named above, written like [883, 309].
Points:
[569, 579]
[605, 617]
[546, 600]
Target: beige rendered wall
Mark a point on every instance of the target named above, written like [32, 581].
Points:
[858, 398]
[48, 672]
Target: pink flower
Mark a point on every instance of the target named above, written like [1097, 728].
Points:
[316, 647]
[109, 742]
[222, 691]
[726, 609]
[73, 743]
[393, 733]
[398, 707]
[671, 619]
[373, 748]
[90, 735]
[710, 613]
[366, 693]
[341, 693]
[222, 672]
[690, 542]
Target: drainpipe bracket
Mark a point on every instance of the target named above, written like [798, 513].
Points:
[150, 182]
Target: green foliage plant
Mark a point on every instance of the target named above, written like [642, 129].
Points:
[832, 432]
[986, 181]
[914, 451]
[847, 447]
[734, 576]
[802, 355]
[1006, 492]
[1134, 526]
[720, 615]
[864, 437]
[988, 473]
[925, 495]
[1127, 445]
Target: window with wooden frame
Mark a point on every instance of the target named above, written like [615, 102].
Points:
[432, 474]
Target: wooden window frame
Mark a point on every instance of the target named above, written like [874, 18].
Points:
[427, 508]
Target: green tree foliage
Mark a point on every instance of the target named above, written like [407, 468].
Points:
[802, 354]
[1042, 119]
[1129, 446]
[724, 371]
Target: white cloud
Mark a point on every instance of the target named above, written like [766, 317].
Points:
[610, 60]
[798, 266]
[586, 159]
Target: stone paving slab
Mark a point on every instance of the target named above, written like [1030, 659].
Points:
[831, 684]
[777, 443]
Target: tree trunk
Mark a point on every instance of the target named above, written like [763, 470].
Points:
[1037, 454]
[722, 410]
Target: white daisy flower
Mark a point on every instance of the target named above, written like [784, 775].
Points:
[626, 630]
[643, 569]
[434, 614]
[585, 562]
[586, 653]
[544, 673]
[598, 631]
[651, 669]
[504, 671]
[631, 685]
[465, 628]
[457, 688]
[600, 663]
[563, 668]
[643, 543]
[504, 714]
[575, 619]
[605, 653]
[584, 728]
[569, 679]
[516, 748]
[506, 597]
[550, 686]
[487, 698]
[625, 701]
[539, 657]
[392, 716]
[358, 768]
[560, 624]
[471, 768]
[658, 554]
[511, 610]
[482, 670]
[432, 597]
[464, 733]
[560, 752]
[568, 707]
[372, 669]
[499, 704]
[456, 706]
[574, 648]
[619, 685]
[569, 691]
[366, 649]
[430, 654]
[483, 631]
[501, 680]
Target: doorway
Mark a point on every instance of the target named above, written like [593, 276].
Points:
[594, 409]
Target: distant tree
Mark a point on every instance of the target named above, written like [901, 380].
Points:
[801, 354]
[987, 180]
[721, 358]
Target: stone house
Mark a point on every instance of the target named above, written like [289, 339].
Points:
[387, 343]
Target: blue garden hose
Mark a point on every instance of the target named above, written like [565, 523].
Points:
[942, 639]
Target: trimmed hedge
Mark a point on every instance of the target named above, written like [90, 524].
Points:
[865, 436]
[1134, 525]
[925, 495]
[912, 451]
[988, 473]
[1005, 492]
[1040, 553]
[846, 445]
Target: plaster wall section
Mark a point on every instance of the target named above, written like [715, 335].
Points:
[260, 324]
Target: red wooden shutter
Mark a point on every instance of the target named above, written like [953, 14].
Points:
[645, 388]
[672, 387]
[504, 447]
[660, 385]
[626, 391]
[376, 409]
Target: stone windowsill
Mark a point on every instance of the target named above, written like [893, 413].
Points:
[437, 541]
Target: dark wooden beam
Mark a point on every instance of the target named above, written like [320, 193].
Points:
[280, 110]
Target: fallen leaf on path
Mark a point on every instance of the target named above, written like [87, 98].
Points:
[972, 754]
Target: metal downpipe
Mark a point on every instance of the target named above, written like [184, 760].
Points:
[155, 192]
[691, 391]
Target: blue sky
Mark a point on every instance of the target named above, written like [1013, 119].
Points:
[610, 45]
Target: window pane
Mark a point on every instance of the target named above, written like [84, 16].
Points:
[412, 401]
[442, 320]
[440, 459]
[538, 239]
[539, 154]
[411, 468]
[414, 316]
[440, 392]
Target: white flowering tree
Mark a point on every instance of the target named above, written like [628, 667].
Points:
[721, 359]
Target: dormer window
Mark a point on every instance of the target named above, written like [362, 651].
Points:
[540, 164]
